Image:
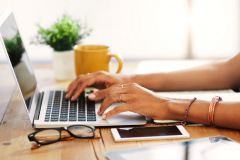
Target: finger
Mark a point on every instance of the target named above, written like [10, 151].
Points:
[110, 99]
[118, 89]
[69, 86]
[85, 81]
[84, 84]
[107, 102]
[74, 81]
[118, 109]
[128, 85]
[99, 94]
[72, 87]
[124, 88]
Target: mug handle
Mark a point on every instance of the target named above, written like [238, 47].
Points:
[119, 59]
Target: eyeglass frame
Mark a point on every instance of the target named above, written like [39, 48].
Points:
[31, 136]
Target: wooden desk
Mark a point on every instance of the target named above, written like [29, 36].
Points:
[15, 127]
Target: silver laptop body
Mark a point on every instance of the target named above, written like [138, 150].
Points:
[43, 110]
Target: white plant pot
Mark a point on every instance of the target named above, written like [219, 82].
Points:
[63, 65]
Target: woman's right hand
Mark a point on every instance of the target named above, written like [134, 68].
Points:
[101, 80]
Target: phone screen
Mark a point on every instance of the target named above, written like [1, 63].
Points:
[148, 131]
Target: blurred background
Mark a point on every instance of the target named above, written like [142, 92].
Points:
[138, 29]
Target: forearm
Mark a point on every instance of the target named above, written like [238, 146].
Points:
[227, 114]
[218, 75]
[193, 79]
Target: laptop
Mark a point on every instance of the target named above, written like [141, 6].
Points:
[49, 108]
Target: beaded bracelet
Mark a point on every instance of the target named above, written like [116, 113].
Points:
[211, 110]
[186, 111]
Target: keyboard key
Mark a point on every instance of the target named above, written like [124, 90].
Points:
[63, 119]
[81, 119]
[72, 119]
[91, 119]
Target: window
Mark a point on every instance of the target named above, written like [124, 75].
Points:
[140, 29]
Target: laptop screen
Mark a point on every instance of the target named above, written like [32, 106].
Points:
[17, 56]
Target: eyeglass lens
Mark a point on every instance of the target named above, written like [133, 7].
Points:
[47, 136]
[81, 131]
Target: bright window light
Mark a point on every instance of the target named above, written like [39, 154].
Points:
[140, 29]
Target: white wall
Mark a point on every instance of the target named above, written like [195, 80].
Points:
[216, 28]
[138, 29]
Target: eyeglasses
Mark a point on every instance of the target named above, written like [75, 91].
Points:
[52, 135]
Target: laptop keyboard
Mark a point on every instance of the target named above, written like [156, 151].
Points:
[61, 109]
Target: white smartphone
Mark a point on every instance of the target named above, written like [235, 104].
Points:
[149, 133]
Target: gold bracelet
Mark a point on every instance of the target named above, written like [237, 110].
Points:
[211, 110]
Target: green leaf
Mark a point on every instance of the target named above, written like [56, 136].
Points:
[63, 34]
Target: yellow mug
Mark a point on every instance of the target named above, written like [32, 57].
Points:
[92, 58]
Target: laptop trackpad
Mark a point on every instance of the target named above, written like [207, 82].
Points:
[125, 118]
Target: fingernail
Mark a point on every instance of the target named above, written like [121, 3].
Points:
[104, 117]
[72, 99]
[92, 96]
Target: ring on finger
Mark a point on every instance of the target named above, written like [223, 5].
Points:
[122, 85]
[119, 98]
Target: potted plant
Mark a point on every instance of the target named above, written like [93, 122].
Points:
[15, 50]
[62, 36]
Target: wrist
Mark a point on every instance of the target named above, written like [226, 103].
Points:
[135, 79]
[150, 81]
[176, 109]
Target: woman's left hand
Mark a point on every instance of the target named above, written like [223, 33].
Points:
[137, 99]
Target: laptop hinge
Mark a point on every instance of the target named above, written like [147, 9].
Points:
[39, 104]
